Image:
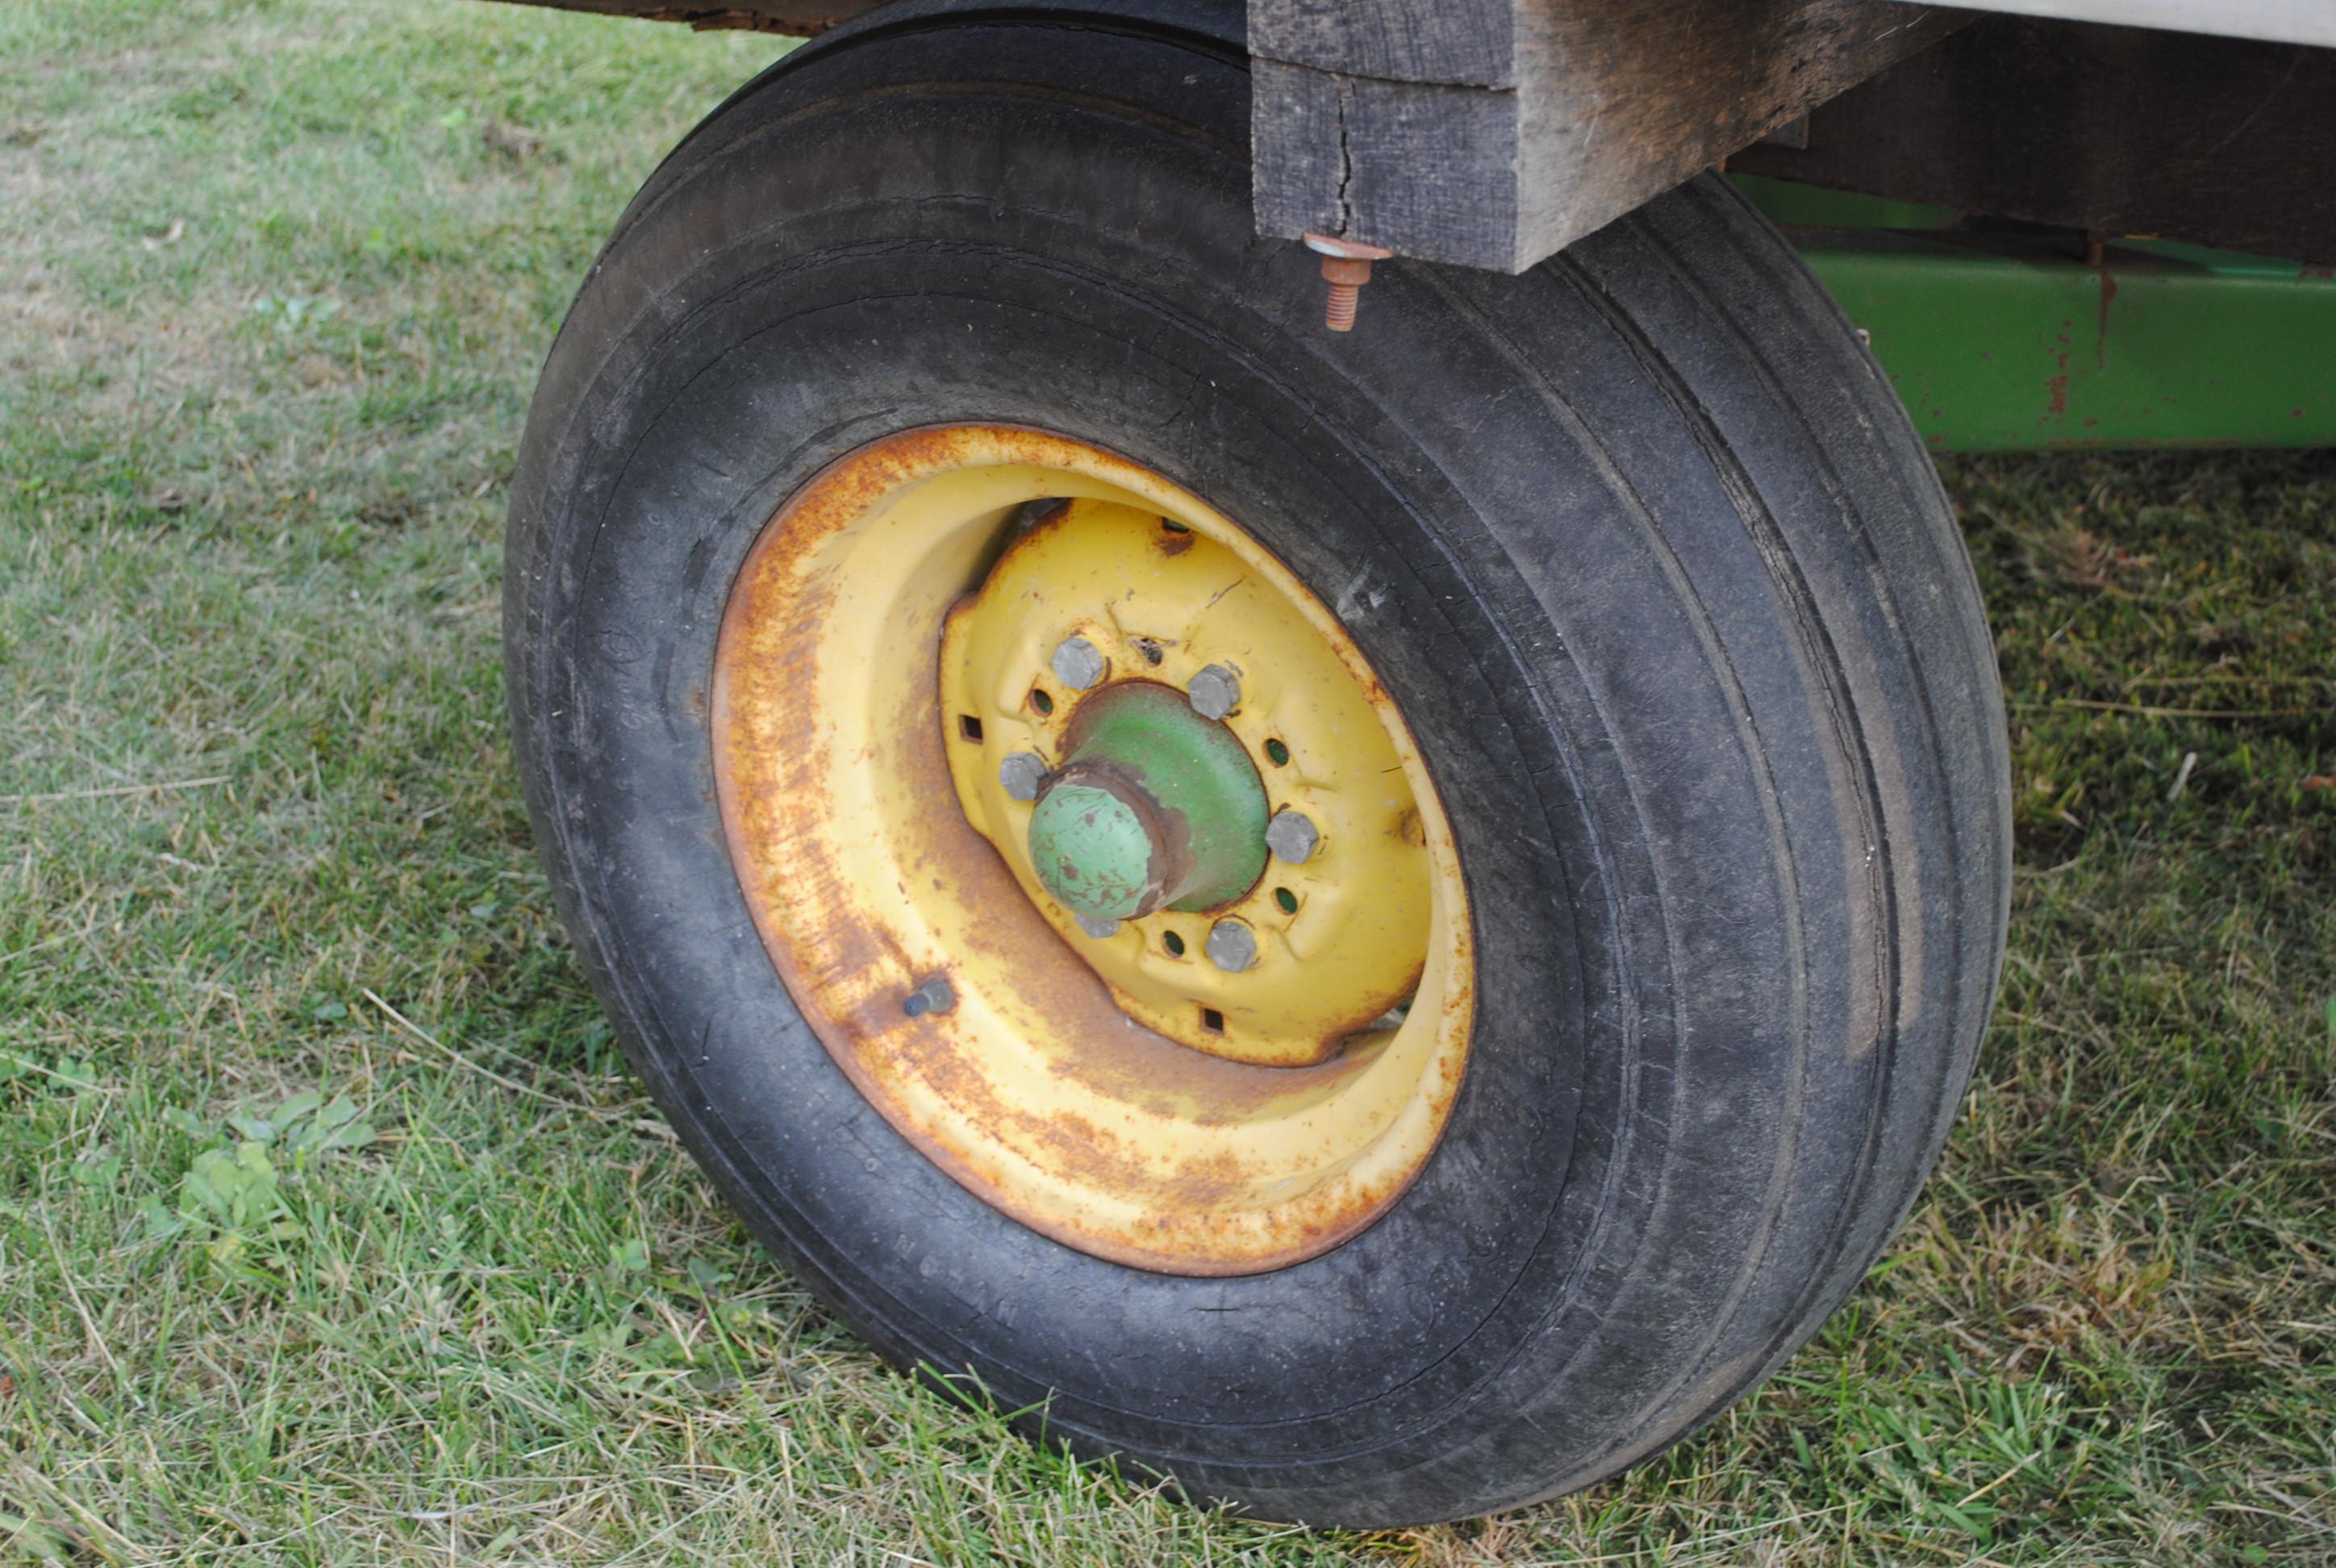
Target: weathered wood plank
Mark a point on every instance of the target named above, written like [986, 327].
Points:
[1454, 42]
[1600, 106]
[2278, 21]
[1443, 156]
[2119, 131]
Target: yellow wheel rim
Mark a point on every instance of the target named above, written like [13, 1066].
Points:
[886, 648]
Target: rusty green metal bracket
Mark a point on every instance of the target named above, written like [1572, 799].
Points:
[2014, 342]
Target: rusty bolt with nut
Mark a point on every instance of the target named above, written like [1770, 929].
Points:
[933, 997]
[1346, 268]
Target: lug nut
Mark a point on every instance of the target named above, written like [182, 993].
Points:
[933, 997]
[1291, 836]
[1021, 774]
[1231, 946]
[1078, 663]
[1214, 692]
[1096, 928]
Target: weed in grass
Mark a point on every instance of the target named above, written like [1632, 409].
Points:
[332, 1228]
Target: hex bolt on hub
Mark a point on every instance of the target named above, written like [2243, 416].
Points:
[1346, 268]
[1231, 946]
[1078, 663]
[933, 997]
[1021, 774]
[1214, 692]
[1095, 927]
[1291, 836]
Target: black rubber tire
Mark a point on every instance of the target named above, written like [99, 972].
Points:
[1641, 541]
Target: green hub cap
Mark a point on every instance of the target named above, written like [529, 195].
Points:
[1155, 807]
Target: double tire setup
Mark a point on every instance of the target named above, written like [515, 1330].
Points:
[1380, 924]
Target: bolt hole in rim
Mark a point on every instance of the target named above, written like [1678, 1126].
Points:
[1225, 1116]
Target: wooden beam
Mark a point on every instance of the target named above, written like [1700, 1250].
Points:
[2118, 131]
[2276, 21]
[1465, 42]
[1493, 132]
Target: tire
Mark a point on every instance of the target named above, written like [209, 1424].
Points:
[1643, 545]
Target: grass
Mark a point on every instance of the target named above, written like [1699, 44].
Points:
[332, 1228]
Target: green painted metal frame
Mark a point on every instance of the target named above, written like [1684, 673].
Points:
[2004, 342]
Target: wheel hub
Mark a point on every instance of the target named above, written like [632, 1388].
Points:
[1154, 808]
